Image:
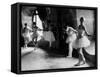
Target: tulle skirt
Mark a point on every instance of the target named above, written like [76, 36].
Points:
[48, 36]
[82, 42]
[27, 36]
[71, 38]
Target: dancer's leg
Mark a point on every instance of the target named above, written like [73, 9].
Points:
[50, 44]
[81, 58]
[26, 42]
[70, 50]
[25, 46]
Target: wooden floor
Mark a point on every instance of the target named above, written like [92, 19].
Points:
[37, 59]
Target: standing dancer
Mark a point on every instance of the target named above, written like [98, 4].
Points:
[49, 36]
[72, 36]
[37, 27]
[81, 42]
[26, 33]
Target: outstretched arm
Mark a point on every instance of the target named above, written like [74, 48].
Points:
[86, 32]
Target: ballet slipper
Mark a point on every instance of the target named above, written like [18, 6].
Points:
[69, 56]
[35, 48]
[80, 63]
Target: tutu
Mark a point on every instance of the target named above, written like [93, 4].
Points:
[78, 41]
[82, 42]
[27, 36]
[71, 38]
[48, 36]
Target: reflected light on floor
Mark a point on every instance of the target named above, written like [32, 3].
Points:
[37, 60]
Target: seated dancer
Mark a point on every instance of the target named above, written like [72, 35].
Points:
[26, 33]
[81, 42]
[72, 36]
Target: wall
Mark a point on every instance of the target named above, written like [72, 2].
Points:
[89, 19]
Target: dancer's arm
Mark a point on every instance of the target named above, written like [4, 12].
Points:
[86, 32]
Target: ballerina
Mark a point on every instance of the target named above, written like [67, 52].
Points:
[49, 36]
[72, 36]
[26, 33]
[81, 42]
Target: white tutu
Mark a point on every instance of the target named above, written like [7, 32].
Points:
[27, 36]
[71, 38]
[48, 36]
[82, 42]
